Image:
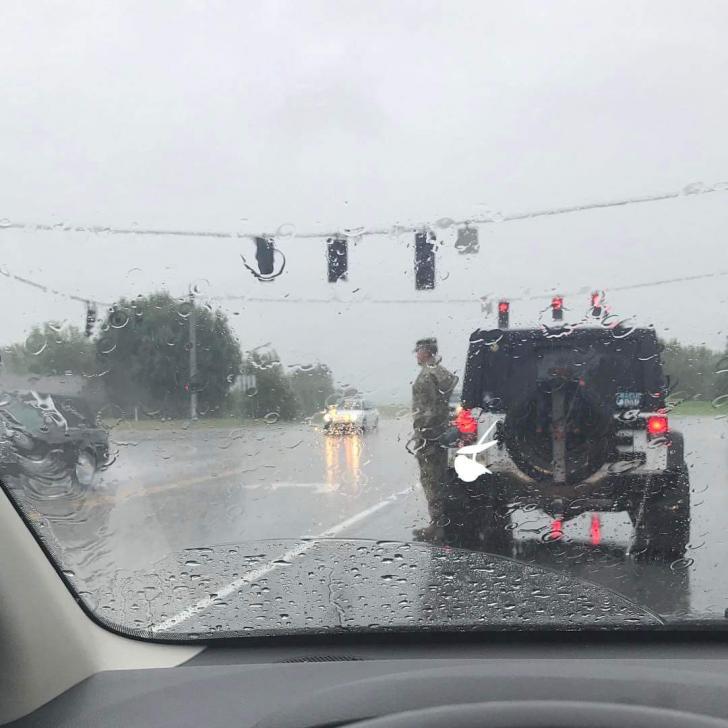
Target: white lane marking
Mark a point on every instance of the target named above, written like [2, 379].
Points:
[320, 487]
[257, 573]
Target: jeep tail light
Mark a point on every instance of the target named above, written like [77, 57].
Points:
[466, 423]
[657, 425]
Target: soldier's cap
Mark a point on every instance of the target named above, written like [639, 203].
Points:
[430, 344]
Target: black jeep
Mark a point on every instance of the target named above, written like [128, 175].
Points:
[580, 421]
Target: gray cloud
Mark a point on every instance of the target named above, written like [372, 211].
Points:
[237, 116]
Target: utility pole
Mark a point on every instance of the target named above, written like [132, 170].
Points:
[193, 358]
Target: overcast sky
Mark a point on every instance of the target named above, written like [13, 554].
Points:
[237, 116]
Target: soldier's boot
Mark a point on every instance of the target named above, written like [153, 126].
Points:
[432, 533]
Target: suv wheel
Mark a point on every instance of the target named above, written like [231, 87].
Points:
[85, 468]
[662, 518]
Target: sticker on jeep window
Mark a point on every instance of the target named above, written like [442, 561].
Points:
[629, 399]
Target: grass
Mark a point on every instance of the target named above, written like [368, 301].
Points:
[693, 408]
[697, 408]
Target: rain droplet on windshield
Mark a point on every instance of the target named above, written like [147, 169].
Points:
[286, 230]
[36, 344]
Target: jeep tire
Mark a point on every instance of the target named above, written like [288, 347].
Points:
[661, 513]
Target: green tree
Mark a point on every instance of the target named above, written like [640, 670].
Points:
[52, 349]
[694, 370]
[144, 350]
[273, 394]
[312, 385]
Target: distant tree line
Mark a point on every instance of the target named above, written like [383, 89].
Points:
[140, 359]
[696, 372]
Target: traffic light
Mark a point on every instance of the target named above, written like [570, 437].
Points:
[467, 240]
[90, 318]
[337, 258]
[503, 314]
[264, 254]
[557, 308]
[596, 303]
[425, 261]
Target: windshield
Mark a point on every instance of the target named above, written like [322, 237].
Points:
[389, 315]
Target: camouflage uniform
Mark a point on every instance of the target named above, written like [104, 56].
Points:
[430, 408]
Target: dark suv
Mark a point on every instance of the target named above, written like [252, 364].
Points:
[49, 436]
[578, 422]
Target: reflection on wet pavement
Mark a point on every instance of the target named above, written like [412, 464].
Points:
[343, 462]
[190, 489]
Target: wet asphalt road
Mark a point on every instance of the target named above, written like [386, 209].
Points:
[170, 490]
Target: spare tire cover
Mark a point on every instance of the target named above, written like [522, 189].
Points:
[588, 428]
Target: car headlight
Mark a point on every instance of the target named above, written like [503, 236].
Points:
[327, 418]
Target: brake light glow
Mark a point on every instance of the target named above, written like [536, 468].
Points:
[595, 530]
[657, 425]
[466, 423]
[557, 529]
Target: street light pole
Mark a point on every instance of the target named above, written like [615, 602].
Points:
[193, 358]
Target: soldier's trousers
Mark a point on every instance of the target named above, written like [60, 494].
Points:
[432, 460]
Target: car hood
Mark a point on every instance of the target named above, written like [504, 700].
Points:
[331, 585]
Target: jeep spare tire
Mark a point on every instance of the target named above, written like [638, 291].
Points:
[559, 411]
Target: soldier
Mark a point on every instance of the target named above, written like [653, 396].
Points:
[430, 412]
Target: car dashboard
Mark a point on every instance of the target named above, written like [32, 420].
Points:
[591, 679]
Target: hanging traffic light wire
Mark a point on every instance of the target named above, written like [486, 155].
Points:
[484, 301]
[692, 190]
[467, 242]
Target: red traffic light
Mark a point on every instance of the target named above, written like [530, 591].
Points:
[557, 308]
[596, 299]
[503, 314]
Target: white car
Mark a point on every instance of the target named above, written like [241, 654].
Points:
[352, 414]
